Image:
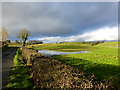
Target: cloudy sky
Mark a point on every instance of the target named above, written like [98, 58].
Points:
[62, 21]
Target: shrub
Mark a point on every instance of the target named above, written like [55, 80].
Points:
[4, 44]
[29, 55]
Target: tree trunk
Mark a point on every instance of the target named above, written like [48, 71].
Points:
[23, 44]
[24, 41]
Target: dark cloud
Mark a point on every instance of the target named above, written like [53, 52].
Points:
[58, 19]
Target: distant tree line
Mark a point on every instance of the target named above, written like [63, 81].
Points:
[23, 35]
[93, 43]
[35, 42]
[60, 42]
[27, 43]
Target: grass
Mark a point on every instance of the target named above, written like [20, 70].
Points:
[19, 75]
[102, 61]
[65, 47]
[109, 44]
[14, 45]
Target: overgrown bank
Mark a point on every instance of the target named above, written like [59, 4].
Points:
[46, 72]
[102, 61]
[49, 73]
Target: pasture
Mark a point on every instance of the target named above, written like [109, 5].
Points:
[102, 61]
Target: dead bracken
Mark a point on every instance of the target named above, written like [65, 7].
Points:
[49, 73]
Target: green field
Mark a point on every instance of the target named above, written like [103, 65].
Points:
[102, 59]
[65, 47]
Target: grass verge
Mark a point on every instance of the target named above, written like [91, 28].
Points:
[19, 75]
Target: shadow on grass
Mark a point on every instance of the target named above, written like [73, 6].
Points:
[19, 75]
[4, 49]
[103, 72]
[7, 57]
[8, 52]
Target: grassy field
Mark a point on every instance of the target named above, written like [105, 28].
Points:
[65, 47]
[102, 61]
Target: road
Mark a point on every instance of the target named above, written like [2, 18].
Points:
[7, 59]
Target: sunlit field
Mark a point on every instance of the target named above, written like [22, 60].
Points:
[65, 47]
[101, 61]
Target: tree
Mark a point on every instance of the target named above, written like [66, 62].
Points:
[23, 34]
[8, 41]
[4, 34]
[17, 42]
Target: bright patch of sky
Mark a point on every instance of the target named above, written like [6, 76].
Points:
[106, 33]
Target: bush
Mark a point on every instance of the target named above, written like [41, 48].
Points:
[29, 55]
[4, 44]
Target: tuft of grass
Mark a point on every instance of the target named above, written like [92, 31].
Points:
[19, 77]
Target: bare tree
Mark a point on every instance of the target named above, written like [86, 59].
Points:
[4, 34]
[23, 34]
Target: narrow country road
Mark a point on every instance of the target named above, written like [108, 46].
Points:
[7, 59]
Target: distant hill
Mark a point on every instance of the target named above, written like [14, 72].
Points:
[113, 44]
[105, 40]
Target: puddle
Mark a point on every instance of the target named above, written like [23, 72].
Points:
[48, 52]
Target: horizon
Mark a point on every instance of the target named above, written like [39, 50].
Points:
[71, 41]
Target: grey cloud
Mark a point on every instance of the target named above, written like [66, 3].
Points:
[57, 19]
[100, 34]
